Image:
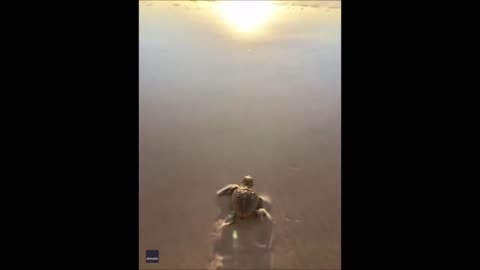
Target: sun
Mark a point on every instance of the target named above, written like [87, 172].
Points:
[245, 16]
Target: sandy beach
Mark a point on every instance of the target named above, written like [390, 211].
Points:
[221, 98]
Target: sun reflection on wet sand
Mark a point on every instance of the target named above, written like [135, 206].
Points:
[248, 20]
[245, 16]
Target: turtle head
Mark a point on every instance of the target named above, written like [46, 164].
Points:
[247, 181]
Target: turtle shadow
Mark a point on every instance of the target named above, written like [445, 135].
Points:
[245, 244]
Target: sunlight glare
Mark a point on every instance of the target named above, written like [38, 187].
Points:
[246, 16]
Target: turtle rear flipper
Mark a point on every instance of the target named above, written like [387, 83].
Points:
[230, 219]
[263, 214]
[264, 202]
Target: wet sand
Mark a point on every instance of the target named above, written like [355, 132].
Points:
[216, 105]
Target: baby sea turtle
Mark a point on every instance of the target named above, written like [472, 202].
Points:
[244, 201]
[229, 189]
[246, 204]
[247, 182]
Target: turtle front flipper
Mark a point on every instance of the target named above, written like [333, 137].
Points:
[227, 190]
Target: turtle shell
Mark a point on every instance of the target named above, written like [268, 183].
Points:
[244, 201]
